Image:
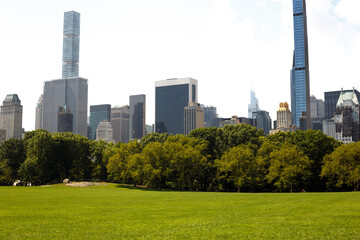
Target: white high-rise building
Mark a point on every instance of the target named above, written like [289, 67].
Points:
[11, 116]
[253, 107]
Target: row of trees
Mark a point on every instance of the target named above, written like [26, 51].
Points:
[233, 158]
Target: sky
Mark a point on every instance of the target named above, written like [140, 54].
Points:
[229, 46]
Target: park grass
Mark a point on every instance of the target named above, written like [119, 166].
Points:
[111, 212]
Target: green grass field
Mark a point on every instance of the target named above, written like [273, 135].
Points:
[111, 212]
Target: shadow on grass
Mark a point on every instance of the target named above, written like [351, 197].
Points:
[142, 188]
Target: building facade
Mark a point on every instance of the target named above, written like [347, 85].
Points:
[347, 118]
[65, 119]
[331, 99]
[300, 77]
[98, 113]
[253, 107]
[284, 120]
[72, 92]
[210, 116]
[71, 44]
[120, 123]
[235, 120]
[317, 107]
[171, 97]
[11, 116]
[104, 132]
[263, 121]
[39, 113]
[137, 116]
[193, 117]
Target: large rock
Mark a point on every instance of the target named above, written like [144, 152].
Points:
[17, 183]
[66, 180]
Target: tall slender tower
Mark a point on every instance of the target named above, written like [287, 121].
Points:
[253, 107]
[300, 80]
[71, 42]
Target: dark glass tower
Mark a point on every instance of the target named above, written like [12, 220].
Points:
[171, 98]
[98, 113]
[300, 80]
[137, 116]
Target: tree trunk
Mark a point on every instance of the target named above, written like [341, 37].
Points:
[291, 187]
[238, 189]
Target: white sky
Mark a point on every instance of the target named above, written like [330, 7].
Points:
[227, 45]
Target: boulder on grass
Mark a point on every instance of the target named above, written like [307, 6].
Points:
[17, 183]
[66, 180]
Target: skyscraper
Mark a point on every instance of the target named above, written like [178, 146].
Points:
[11, 116]
[120, 123]
[71, 44]
[65, 119]
[211, 118]
[39, 113]
[171, 97]
[300, 79]
[263, 121]
[331, 99]
[193, 117]
[104, 132]
[137, 116]
[72, 92]
[98, 113]
[253, 106]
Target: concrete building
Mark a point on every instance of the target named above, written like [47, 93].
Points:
[171, 97]
[2, 135]
[120, 123]
[193, 117]
[137, 116]
[65, 119]
[11, 116]
[317, 107]
[347, 118]
[39, 113]
[105, 132]
[253, 107]
[329, 127]
[263, 121]
[235, 120]
[284, 120]
[98, 113]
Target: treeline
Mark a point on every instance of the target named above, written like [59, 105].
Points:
[233, 158]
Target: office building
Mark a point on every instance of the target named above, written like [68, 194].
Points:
[71, 44]
[193, 117]
[284, 120]
[65, 119]
[137, 116]
[329, 127]
[2, 135]
[11, 116]
[74, 93]
[98, 113]
[120, 123]
[347, 118]
[104, 132]
[235, 120]
[300, 79]
[263, 121]
[171, 97]
[39, 113]
[331, 99]
[317, 107]
[149, 129]
[253, 107]
[210, 116]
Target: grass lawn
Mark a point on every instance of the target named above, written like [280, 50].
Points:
[110, 212]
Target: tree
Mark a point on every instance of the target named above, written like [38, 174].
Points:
[39, 166]
[12, 155]
[117, 166]
[342, 167]
[153, 137]
[98, 150]
[237, 166]
[288, 167]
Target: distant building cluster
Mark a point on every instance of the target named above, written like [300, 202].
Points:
[63, 105]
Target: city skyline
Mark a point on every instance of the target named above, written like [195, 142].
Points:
[220, 43]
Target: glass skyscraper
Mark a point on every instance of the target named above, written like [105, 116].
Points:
[137, 116]
[300, 82]
[71, 42]
[98, 113]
